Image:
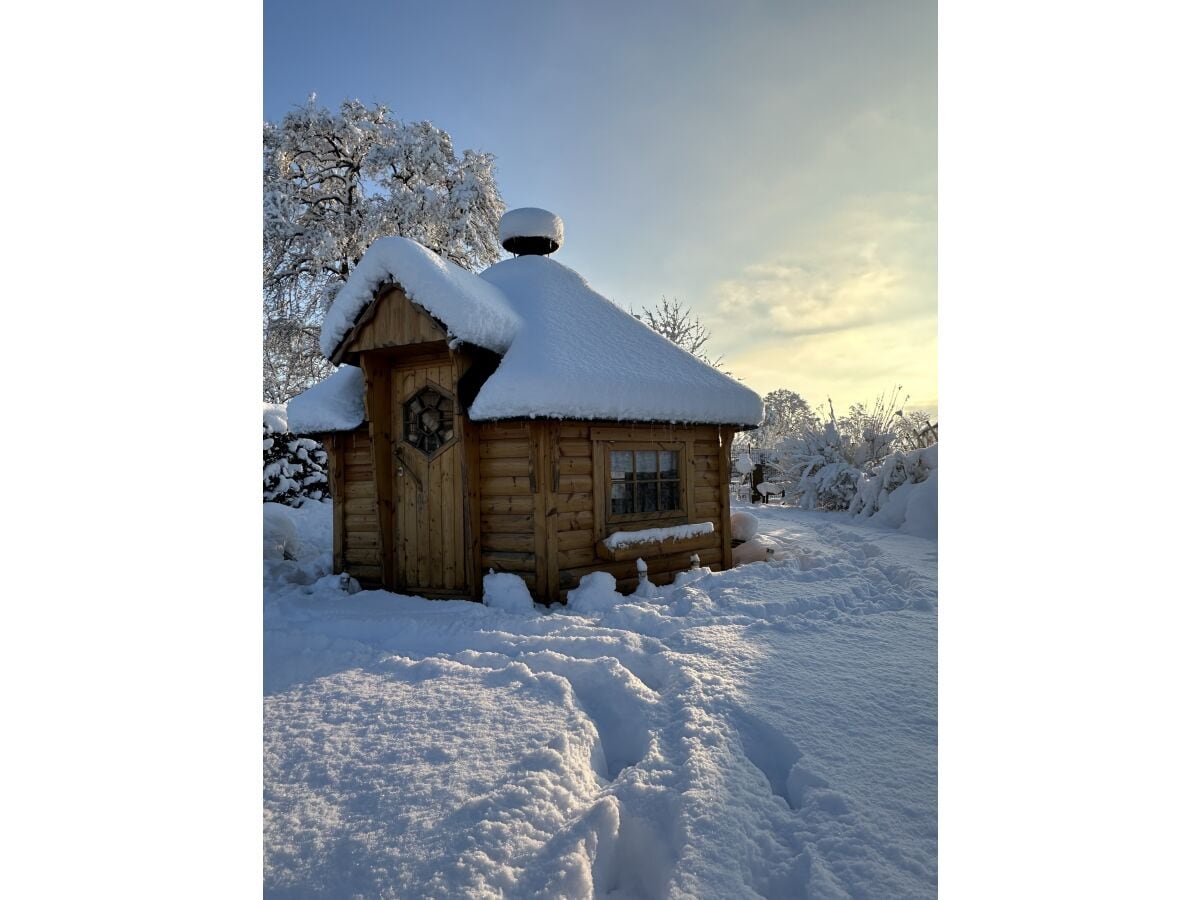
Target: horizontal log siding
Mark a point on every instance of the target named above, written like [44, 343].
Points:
[506, 527]
[575, 457]
[358, 538]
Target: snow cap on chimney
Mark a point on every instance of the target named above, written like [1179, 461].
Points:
[530, 230]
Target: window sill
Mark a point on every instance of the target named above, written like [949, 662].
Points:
[649, 549]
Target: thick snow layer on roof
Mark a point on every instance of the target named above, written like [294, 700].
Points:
[470, 308]
[578, 355]
[335, 404]
[529, 221]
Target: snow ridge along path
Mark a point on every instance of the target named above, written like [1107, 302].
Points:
[765, 732]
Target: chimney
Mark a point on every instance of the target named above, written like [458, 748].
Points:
[530, 231]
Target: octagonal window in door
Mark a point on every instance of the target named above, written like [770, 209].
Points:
[429, 420]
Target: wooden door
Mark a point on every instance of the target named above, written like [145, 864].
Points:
[431, 487]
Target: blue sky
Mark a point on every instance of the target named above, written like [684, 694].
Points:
[772, 165]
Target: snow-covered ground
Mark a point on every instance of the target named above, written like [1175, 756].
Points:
[769, 731]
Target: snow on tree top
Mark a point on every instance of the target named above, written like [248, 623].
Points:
[335, 404]
[471, 309]
[568, 352]
[531, 230]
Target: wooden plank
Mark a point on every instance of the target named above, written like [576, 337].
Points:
[392, 320]
[474, 546]
[573, 558]
[540, 487]
[377, 376]
[645, 433]
[509, 486]
[503, 505]
[361, 539]
[600, 491]
[493, 431]
[505, 449]
[708, 510]
[499, 467]
[515, 543]
[709, 493]
[550, 482]
[711, 479]
[575, 448]
[362, 555]
[668, 547]
[360, 473]
[574, 502]
[407, 381]
[363, 506]
[723, 499]
[509, 562]
[337, 484]
[573, 521]
[359, 457]
[364, 572]
[575, 540]
[364, 490]
[574, 432]
[574, 465]
[689, 482]
[501, 524]
[574, 484]
[359, 522]
[708, 448]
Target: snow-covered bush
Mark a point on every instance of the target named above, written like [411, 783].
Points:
[820, 464]
[293, 467]
[901, 492]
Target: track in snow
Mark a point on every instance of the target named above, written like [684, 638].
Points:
[769, 731]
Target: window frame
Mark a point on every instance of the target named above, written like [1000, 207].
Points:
[678, 516]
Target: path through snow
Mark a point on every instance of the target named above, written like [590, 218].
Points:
[765, 732]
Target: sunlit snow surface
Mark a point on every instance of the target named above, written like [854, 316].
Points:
[770, 731]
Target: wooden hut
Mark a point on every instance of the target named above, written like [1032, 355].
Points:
[514, 421]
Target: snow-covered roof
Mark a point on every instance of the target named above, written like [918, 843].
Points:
[335, 404]
[578, 355]
[568, 352]
[471, 309]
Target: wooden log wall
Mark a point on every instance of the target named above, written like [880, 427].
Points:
[542, 512]
[356, 539]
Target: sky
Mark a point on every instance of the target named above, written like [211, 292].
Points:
[772, 165]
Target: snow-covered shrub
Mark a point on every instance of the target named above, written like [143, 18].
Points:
[294, 468]
[820, 464]
[901, 492]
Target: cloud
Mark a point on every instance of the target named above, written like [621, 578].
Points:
[873, 263]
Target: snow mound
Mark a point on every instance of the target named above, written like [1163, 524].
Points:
[743, 526]
[280, 540]
[471, 309]
[275, 418]
[578, 355]
[335, 404]
[529, 221]
[597, 593]
[503, 590]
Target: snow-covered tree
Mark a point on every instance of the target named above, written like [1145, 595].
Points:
[334, 181]
[820, 463]
[784, 413]
[679, 326]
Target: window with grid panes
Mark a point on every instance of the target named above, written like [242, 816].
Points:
[644, 482]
